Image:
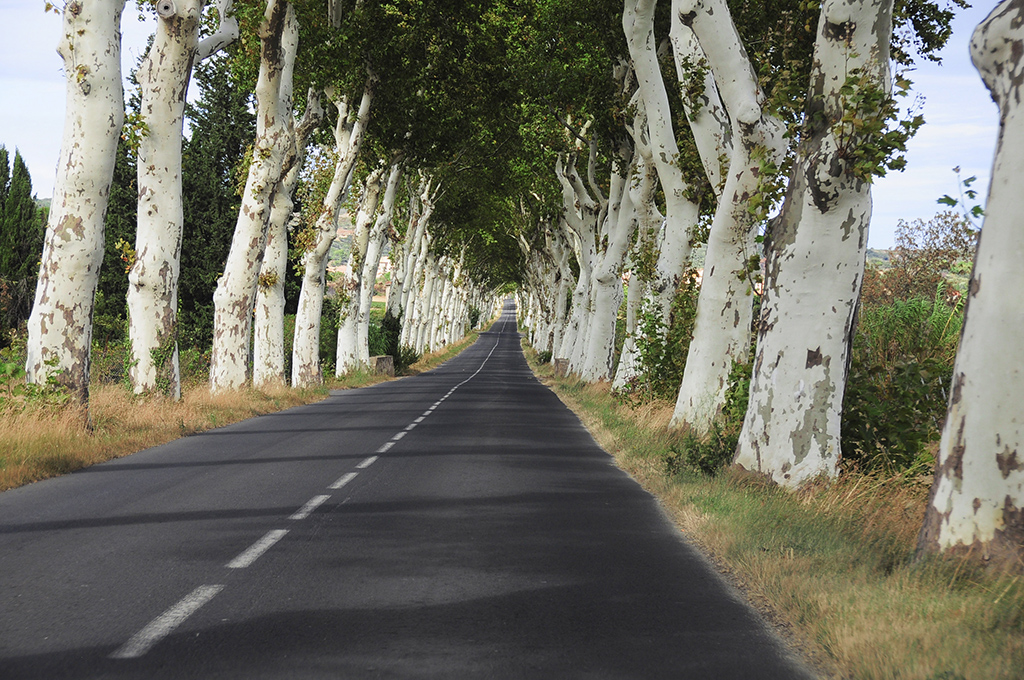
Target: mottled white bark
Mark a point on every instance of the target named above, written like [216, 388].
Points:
[616, 233]
[815, 261]
[414, 288]
[561, 250]
[680, 212]
[348, 137]
[348, 285]
[268, 335]
[977, 498]
[642, 194]
[60, 325]
[236, 289]
[582, 215]
[721, 335]
[580, 295]
[164, 77]
[371, 262]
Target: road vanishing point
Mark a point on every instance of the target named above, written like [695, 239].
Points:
[460, 523]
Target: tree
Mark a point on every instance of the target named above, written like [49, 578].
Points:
[213, 158]
[21, 240]
[110, 315]
[977, 499]
[815, 258]
[747, 144]
[236, 288]
[163, 77]
[60, 325]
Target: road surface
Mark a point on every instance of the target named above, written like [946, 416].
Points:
[457, 524]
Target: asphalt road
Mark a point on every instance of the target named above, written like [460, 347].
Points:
[458, 524]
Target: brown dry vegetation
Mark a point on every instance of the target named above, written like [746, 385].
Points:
[41, 438]
[832, 565]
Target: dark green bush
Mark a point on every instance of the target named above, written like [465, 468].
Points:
[662, 350]
[896, 394]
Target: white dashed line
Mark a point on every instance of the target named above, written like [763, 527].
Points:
[164, 625]
[398, 436]
[253, 552]
[420, 419]
[311, 505]
[410, 426]
[367, 463]
[385, 447]
[343, 480]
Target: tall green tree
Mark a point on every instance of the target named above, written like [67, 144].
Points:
[21, 241]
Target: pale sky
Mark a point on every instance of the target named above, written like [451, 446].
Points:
[961, 126]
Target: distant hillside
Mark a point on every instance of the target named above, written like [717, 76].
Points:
[879, 258]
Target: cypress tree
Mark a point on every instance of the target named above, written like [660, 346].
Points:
[21, 242]
[5, 178]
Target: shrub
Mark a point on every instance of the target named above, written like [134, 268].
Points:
[544, 357]
[662, 350]
[896, 399]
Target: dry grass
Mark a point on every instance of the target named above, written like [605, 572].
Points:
[832, 565]
[42, 441]
[44, 438]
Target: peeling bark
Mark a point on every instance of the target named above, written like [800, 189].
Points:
[814, 267]
[235, 294]
[348, 137]
[268, 336]
[721, 334]
[60, 324]
[164, 76]
[977, 499]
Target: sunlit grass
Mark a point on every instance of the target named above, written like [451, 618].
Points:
[833, 565]
[41, 438]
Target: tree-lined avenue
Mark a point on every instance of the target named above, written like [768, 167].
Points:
[460, 523]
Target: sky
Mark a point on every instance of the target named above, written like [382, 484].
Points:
[960, 129]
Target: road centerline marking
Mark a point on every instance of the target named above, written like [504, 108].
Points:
[311, 505]
[420, 419]
[343, 480]
[398, 436]
[367, 463]
[410, 426]
[253, 552]
[164, 625]
[385, 447]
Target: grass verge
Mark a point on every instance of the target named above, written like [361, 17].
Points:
[831, 565]
[46, 437]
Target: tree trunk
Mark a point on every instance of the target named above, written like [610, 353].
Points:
[60, 325]
[349, 285]
[642, 195]
[371, 262]
[163, 77]
[680, 212]
[977, 498]
[268, 361]
[620, 223]
[236, 289]
[815, 264]
[721, 335]
[348, 136]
